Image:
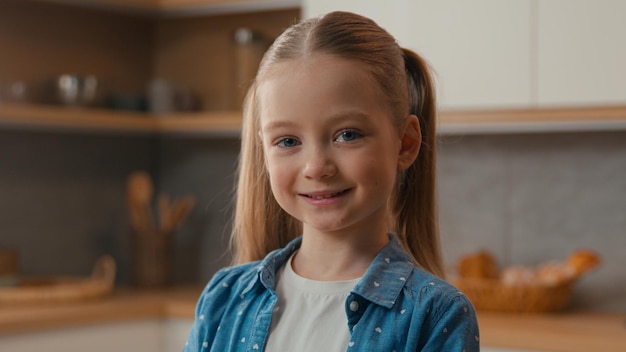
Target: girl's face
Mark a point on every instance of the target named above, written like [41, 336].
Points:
[330, 147]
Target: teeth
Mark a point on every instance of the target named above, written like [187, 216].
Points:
[324, 196]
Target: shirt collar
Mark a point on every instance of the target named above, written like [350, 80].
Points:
[269, 266]
[381, 284]
[386, 276]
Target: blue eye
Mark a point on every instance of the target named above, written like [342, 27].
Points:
[348, 136]
[288, 142]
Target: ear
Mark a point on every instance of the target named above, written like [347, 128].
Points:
[411, 140]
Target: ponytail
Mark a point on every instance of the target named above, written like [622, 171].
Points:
[414, 205]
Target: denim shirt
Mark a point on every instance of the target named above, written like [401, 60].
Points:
[396, 306]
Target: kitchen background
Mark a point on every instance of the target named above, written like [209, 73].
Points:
[527, 196]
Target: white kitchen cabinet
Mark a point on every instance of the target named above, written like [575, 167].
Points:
[479, 50]
[177, 331]
[131, 336]
[581, 52]
[153, 335]
[518, 53]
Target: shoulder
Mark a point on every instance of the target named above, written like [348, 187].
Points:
[218, 296]
[393, 276]
[232, 276]
[443, 311]
[425, 287]
[441, 304]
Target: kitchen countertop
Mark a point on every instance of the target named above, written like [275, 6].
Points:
[568, 331]
[122, 305]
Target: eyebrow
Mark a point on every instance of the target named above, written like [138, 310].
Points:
[349, 114]
[277, 125]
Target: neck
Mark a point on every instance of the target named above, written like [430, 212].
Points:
[337, 256]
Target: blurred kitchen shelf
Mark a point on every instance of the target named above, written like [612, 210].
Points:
[535, 120]
[228, 123]
[225, 123]
[182, 8]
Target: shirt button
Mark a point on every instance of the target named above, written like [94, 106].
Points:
[354, 306]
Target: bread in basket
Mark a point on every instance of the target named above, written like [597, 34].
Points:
[544, 288]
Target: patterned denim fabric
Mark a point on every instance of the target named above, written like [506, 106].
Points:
[395, 307]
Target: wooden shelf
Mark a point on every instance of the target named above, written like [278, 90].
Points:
[537, 120]
[214, 7]
[100, 120]
[170, 8]
[228, 123]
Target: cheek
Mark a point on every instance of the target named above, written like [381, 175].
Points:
[280, 177]
[378, 166]
[379, 173]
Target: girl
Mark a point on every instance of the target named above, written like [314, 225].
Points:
[335, 227]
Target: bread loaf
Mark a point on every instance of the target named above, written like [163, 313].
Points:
[583, 260]
[480, 265]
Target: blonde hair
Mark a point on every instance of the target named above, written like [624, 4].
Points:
[260, 225]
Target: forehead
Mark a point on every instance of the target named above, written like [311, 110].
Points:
[317, 86]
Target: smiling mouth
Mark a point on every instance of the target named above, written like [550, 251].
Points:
[326, 195]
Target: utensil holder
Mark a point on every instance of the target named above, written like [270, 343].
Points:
[9, 264]
[152, 259]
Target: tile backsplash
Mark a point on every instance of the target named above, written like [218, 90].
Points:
[535, 198]
[527, 198]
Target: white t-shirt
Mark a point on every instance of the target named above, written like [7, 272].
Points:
[309, 315]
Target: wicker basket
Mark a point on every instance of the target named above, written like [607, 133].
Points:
[493, 295]
[33, 290]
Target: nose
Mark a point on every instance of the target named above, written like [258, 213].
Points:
[318, 164]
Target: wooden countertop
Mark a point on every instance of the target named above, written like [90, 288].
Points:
[567, 332]
[122, 305]
[570, 331]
